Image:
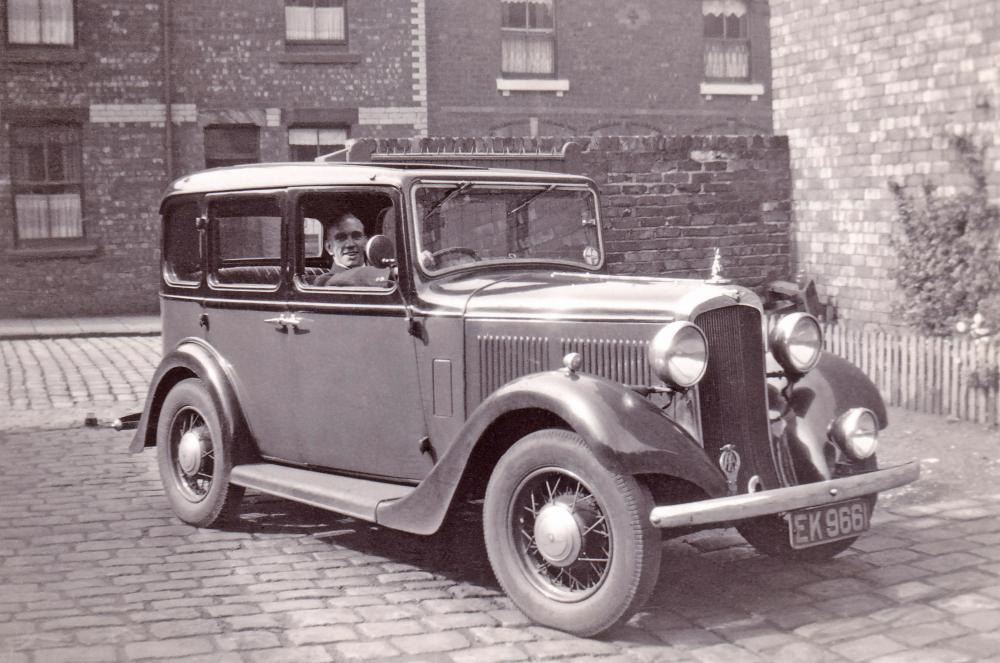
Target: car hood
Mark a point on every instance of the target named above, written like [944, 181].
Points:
[585, 296]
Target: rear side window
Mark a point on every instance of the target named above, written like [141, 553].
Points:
[181, 245]
[247, 234]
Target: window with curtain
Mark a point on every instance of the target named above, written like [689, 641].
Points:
[231, 145]
[315, 21]
[40, 22]
[307, 143]
[528, 38]
[727, 41]
[46, 178]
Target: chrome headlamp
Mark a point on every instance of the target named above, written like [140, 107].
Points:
[796, 343]
[856, 432]
[678, 354]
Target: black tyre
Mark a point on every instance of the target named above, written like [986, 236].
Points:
[769, 536]
[194, 458]
[569, 541]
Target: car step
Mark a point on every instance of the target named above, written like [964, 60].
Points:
[353, 497]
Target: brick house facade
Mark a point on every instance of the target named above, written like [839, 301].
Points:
[102, 102]
[869, 92]
[638, 67]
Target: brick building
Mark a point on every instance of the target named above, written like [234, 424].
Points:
[590, 67]
[102, 102]
[868, 92]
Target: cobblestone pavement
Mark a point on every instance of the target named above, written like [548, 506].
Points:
[94, 567]
[60, 373]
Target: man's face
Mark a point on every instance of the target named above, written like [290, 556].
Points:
[346, 242]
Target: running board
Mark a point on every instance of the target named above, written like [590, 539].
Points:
[352, 497]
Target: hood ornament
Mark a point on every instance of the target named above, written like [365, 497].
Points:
[717, 278]
[729, 461]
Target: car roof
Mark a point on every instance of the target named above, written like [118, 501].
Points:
[296, 174]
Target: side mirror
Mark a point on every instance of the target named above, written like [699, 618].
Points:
[381, 252]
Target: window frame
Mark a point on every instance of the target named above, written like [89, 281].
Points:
[234, 159]
[307, 43]
[170, 207]
[213, 260]
[726, 40]
[40, 46]
[316, 127]
[17, 186]
[527, 31]
[308, 293]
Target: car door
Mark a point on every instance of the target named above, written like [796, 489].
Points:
[246, 301]
[359, 407]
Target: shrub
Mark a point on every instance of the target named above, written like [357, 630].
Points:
[948, 250]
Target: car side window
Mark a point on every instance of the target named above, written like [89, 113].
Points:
[247, 241]
[334, 230]
[182, 244]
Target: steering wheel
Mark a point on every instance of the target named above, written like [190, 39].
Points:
[455, 251]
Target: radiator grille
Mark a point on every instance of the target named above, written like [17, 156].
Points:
[503, 358]
[733, 392]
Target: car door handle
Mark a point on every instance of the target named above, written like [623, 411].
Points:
[284, 321]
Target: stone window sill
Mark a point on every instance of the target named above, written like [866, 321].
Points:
[752, 90]
[42, 55]
[319, 58]
[558, 85]
[53, 249]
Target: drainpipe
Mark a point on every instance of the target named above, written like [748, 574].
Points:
[168, 91]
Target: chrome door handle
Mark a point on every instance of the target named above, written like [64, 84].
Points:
[284, 321]
[281, 322]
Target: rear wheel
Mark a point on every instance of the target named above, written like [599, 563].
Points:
[569, 541]
[194, 458]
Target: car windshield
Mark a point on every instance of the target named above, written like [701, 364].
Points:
[459, 223]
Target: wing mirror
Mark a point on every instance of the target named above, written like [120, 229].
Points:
[381, 252]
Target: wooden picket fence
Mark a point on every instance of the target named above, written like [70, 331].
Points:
[946, 376]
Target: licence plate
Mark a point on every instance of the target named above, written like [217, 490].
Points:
[822, 524]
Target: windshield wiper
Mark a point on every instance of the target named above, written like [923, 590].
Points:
[451, 194]
[528, 200]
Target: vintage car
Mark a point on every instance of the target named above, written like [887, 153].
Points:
[488, 357]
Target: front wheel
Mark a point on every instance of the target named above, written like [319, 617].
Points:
[569, 541]
[194, 458]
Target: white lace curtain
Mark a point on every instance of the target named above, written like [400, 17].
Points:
[40, 22]
[41, 216]
[305, 21]
[529, 50]
[723, 7]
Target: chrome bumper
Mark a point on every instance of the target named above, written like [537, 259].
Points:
[778, 500]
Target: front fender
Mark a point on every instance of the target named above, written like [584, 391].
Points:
[627, 434]
[191, 358]
[832, 387]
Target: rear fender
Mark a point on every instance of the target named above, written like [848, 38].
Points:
[191, 358]
[626, 433]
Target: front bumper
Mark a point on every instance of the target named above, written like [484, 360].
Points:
[779, 500]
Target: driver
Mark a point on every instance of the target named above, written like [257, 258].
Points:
[345, 241]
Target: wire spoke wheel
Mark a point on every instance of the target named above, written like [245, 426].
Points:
[193, 454]
[561, 534]
[569, 540]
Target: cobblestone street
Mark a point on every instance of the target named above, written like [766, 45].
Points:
[94, 567]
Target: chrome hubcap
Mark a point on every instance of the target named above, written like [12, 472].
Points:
[557, 534]
[190, 451]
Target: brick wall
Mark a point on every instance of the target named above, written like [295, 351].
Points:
[869, 92]
[230, 64]
[667, 202]
[630, 68]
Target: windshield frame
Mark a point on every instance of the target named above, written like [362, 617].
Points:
[525, 185]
